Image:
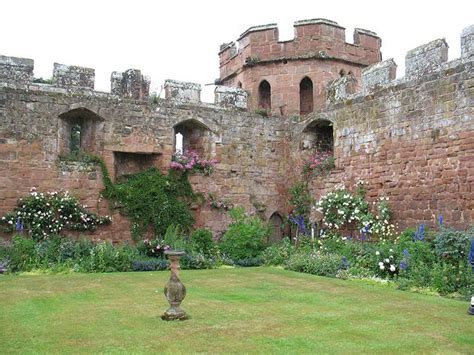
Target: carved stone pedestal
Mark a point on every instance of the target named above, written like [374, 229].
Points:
[175, 291]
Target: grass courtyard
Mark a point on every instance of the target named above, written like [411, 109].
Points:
[245, 310]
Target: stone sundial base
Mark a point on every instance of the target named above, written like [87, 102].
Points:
[174, 290]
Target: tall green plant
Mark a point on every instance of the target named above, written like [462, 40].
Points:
[245, 236]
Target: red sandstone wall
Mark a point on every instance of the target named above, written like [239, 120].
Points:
[412, 142]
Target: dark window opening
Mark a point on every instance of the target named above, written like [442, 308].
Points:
[318, 136]
[306, 96]
[239, 84]
[75, 143]
[342, 72]
[265, 95]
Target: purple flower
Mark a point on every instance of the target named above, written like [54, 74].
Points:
[403, 265]
[299, 221]
[440, 219]
[420, 234]
[19, 225]
[406, 254]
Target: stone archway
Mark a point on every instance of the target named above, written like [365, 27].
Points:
[276, 223]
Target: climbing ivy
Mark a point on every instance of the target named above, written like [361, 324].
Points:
[150, 198]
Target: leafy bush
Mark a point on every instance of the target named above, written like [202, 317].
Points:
[320, 163]
[197, 261]
[300, 199]
[202, 242]
[451, 245]
[22, 254]
[342, 208]
[104, 257]
[245, 236]
[152, 247]
[316, 264]
[175, 239]
[45, 214]
[277, 254]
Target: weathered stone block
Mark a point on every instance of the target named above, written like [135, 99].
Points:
[467, 42]
[70, 76]
[16, 70]
[230, 97]
[425, 58]
[182, 92]
[130, 84]
[378, 74]
[341, 88]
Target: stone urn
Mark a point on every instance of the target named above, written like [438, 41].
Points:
[174, 290]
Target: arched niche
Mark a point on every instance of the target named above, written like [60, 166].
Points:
[277, 225]
[196, 136]
[79, 130]
[318, 136]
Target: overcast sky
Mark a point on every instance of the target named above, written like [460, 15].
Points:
[180, 39]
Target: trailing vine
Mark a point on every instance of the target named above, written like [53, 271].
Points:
[151, 199]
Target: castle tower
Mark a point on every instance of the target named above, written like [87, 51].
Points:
[291, 77]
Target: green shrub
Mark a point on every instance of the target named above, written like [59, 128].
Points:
[197, 261]
[202, 242]
[22, 254]
[452, 245]
[245, 236]
[175, 239]
[316, 264]
[277, 254]
[300, 199]
[104, 257]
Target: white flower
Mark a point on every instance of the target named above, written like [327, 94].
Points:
[392, 268]
[377, 253]
[382, 267]
[387, 260]
[390, 250]
[380, 264]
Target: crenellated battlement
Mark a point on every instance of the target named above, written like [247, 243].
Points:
[420, 62]
[318, 52]
[130, 84]
[314, 39]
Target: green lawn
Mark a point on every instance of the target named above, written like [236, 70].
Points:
[248, 310]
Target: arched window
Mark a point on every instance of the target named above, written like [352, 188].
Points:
[75, 141]
[265, 95]
[306, 96]
[80, 130]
